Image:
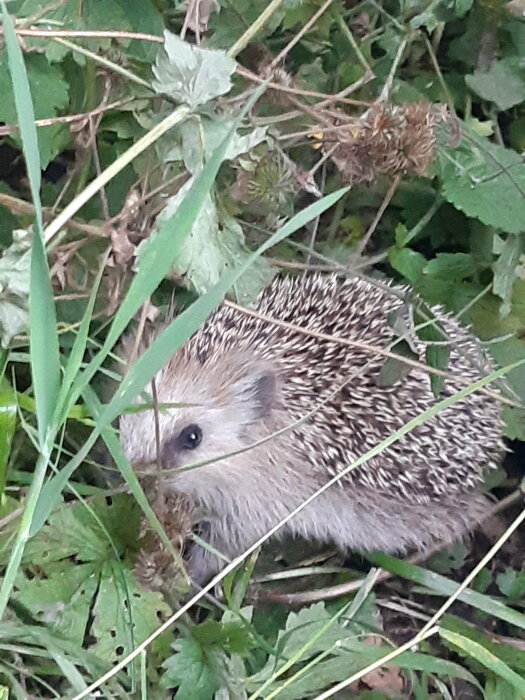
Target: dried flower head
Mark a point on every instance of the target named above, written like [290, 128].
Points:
[387, 139]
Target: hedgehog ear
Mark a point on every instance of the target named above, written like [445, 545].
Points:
[254, 393]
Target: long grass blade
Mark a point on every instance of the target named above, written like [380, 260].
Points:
[163, 348]
[445, 586]
[43, 337]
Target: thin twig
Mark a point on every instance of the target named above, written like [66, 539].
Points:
[313, 19]
[386, 201]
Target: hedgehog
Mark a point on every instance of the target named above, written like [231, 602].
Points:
[242, 379]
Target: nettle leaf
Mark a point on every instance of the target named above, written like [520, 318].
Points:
[191, 75]
[212, 248]
[50, 94]
[14, 287]
[485, 181]
[507, 268]
[503, 84]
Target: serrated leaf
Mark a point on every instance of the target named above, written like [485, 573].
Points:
[191, 670]
[62, 600]
[201, 136]
[81, 587]
[512, 583]
[485, 181]
[73, 531]
[503, 84]
[189, 74]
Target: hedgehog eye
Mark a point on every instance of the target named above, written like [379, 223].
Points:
[190, 437]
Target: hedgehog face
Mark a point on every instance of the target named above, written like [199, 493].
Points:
[227, 406]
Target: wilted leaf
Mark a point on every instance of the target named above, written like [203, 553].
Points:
[198, 14]
[201, 136]
[211, 248]
[503, 84]
[189, 74]
[14, 287]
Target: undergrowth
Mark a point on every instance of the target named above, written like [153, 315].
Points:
[156, 156]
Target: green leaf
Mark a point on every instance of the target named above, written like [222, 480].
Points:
[212, 249]
[407, 262]
[201, 136]
[50, 94]
[124, 614]
[8, 420]
[503, 84]
[394, 370]
[81, 587]
[192, 670]
[451, 266]
[512, 583]
[191, 75]
[485, 181]
[444, 586]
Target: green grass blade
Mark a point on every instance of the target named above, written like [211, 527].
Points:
[164, 248]
[162, 349]
[446, 587]
[112, 443]
[8, 417]
[76, 355]
[183, 327]
[486, 658]
[43, 337]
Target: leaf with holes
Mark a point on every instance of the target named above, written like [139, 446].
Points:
[98, 596]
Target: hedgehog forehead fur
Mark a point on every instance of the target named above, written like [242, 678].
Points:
[247, 378]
